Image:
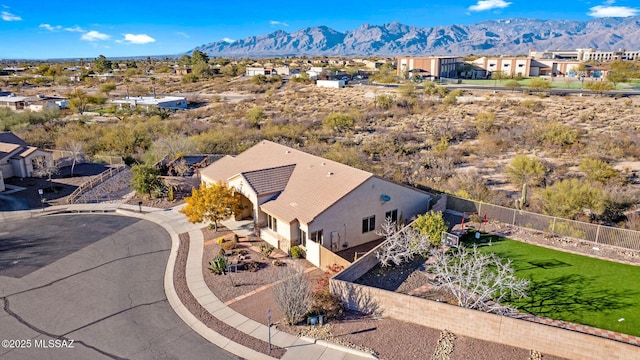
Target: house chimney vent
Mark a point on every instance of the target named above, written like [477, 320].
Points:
[329, 173]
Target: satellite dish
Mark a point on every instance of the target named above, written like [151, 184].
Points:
[385, 198]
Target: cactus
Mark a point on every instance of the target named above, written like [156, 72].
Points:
[522, 201]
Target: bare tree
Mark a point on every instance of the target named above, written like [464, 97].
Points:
[44, 168]
[400, 246]
[478, 281]
[292, 293]
[76, 149]
[181, 167]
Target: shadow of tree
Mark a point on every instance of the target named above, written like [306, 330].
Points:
[572, 298]
[357, 297]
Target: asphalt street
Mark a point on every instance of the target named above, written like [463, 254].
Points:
[90, 287]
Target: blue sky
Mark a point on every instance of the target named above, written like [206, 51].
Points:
[86, 29]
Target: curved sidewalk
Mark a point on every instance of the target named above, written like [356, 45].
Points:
[176, 223]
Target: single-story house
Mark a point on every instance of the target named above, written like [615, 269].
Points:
[17, 158]
[295, 198]
[165, 102]
[13, 102]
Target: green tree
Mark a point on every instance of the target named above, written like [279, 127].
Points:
[101, 64]
[431, 224]
[338, 122]
[78, 100]
[145, 179]
[386, 74]
[525, 170]
[408, 90]
[570, 198]
[597, 170]
[213, 202]
[558, 135]
[199, 57]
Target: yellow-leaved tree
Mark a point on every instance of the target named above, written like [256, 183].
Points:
[212, 202]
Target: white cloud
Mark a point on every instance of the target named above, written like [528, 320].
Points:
[75, 29]
[94, 36]
[612, 11]
[50, 27]
[228, 40]
[276, 22]
[7, 16]
[484, 5]
[184, 35]
[137, 39]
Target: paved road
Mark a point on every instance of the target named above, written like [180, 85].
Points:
[94, 279]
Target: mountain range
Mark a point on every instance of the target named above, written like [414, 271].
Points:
[508, 36]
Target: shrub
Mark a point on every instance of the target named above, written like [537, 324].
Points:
[431, 224]
[292, 294]
[597, 170]
[338, 122]
[296, 252]
[570, 198]
[266, 249]
[218, 265]
[220, 240]
[327, 304]
[228, 245]
[485, 121]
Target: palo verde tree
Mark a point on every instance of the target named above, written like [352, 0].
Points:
[213, 202]
[525, 170]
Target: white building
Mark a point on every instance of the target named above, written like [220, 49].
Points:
[148, 102]
[17, 158]
[336, 84]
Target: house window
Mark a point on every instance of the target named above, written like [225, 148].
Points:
[492, 65]
[368, 224]
[303, 237]
[317, 236]
[520, 65]
[506, 65]
[272, 223]
[393, 215]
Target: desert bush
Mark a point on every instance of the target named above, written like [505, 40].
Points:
[266, 249]
[558, 135]
[229, 245]
[255, 115]
[384, 101]
[220, 240]
[292, 293]
[525, 170]
[338, 122]
[485, 121]
[570, 198]
[296, 252]
[598, 170]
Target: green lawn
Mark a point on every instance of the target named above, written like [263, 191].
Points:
[524, 83]
[574, 288]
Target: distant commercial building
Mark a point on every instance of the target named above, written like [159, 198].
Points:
[588, 54]
[336, 84]
[433, 67]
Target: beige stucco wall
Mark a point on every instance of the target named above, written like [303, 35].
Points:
[344, 218]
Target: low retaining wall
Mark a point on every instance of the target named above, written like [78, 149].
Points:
[476, 324]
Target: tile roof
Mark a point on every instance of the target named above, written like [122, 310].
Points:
[268, 181]
[11, 138]
[314, 185]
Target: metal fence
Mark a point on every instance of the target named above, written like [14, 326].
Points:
[597, 234]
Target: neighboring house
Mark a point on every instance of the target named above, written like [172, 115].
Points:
[337, 84]
[295, 198]
[588, 54]
[17, 158]
[13, 102]
[266, 71]
[148, 102]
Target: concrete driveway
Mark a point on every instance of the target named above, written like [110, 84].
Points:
[93, 279]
